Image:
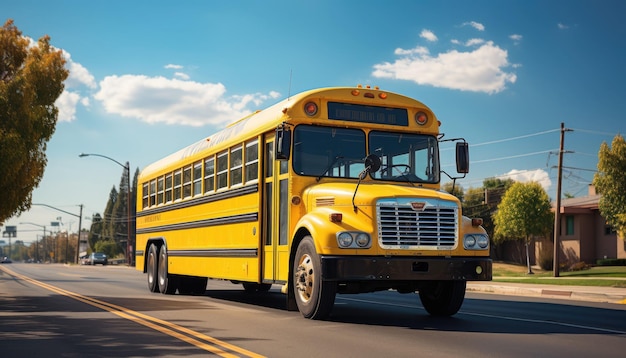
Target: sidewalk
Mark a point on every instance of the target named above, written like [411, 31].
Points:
[579, 293]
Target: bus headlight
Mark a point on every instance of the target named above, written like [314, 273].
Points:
[353, 240]
[362, 239]
[475, 241]
[344, 239]
[482, 241]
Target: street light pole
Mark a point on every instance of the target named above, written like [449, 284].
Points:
[36, 240]
[128, 219]
[80, 222]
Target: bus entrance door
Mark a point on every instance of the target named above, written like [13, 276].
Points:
[275, 215]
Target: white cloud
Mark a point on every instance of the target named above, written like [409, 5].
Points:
[477, 25]
[562, 26]
[66, 103]
[428, 35]
[174, 67]
[79, 75]
[480, 70]
[516, 38]
[173, 101]
[78, 80]
[474, 42]
[524, 176]
[181, 75]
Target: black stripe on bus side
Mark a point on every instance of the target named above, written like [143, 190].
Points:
[203, 223]
[214, 253]
[202, 200]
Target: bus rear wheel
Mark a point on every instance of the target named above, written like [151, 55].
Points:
[443, 298]
[152, 268]
[314, 297]
[167, 283]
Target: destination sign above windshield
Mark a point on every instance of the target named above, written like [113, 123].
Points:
[368, 114]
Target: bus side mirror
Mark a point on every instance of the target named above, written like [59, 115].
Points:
[462, 157]
[282, 143]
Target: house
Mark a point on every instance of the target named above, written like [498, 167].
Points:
[584, 234]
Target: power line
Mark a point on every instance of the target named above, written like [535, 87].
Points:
[594, 132]
[516, 138]
[512, 156]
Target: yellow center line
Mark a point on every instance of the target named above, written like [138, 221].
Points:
[184, 334]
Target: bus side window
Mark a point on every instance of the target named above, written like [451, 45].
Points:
[222, 170]
[145, 195]
[160, 190]
[209, 175]
[178, 184]
[168, 188]
[252, 161]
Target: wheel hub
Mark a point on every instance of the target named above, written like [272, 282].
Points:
[304, 278]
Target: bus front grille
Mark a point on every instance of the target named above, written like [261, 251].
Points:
[417, 224]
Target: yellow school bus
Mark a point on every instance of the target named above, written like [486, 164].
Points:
[333, 190]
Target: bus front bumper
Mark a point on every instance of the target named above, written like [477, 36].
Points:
[368, 268]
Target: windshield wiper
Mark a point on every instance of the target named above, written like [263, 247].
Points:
[337, 158]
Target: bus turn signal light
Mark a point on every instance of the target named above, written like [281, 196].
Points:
[335, 217]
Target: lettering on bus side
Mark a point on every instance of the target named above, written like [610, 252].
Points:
[152, 218]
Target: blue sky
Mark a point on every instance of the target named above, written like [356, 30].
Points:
[150, 77]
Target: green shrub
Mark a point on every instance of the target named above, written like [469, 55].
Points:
[611, 262]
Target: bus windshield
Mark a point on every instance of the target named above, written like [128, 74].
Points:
[406, 157]
[339, 152]
[328, 151]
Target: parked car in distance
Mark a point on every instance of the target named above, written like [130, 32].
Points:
[84, 260]
[6, 260]
[98, 258]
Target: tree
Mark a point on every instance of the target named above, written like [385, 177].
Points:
[108, 219]
[610, 182]
[523, 213]
[95, 232]
[458, 190]
[31, 80]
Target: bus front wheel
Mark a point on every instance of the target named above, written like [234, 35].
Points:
[443, 298]
[152, 268]
[314, 296]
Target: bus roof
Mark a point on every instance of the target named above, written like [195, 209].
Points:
[252, 125]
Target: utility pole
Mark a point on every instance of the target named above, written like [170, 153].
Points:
[557, 209]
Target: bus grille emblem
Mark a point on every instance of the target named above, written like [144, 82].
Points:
[418, 206]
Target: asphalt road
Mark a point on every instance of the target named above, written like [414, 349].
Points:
[84, 311]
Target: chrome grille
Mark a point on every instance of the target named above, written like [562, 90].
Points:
[401, 227]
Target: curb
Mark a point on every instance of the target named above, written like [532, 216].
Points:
[549, 292]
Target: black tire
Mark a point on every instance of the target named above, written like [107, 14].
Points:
[314, 297]
[167, 282]
[443, 298]
[152, 267]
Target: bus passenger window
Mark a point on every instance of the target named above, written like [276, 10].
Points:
[209, 175]
[153, 193]
[187, 182]
[222, 170]
[160, 191]
[236, 166]
[168, 188]
[145, 194]
[197, 178]
[178, 184]
[252, 161]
